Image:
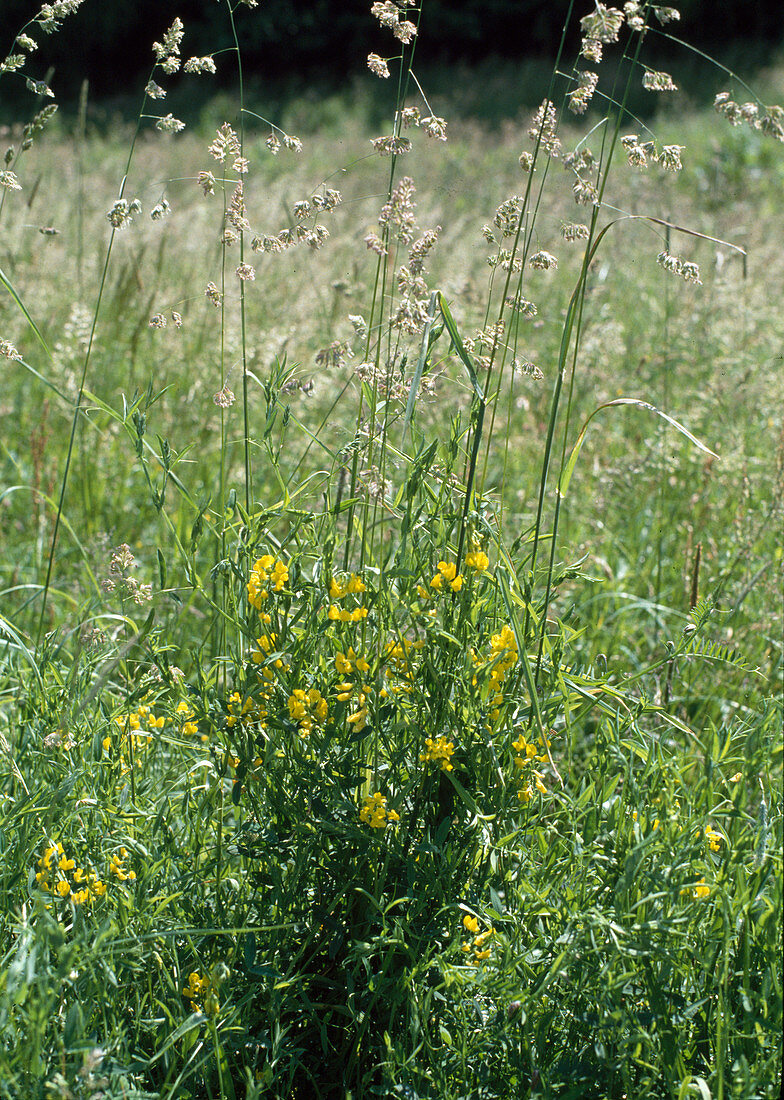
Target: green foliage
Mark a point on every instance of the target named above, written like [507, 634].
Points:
[345, 754]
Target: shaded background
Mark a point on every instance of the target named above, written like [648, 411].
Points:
[325, 42]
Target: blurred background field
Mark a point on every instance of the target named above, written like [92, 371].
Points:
[642, 500]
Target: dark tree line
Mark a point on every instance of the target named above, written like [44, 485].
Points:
[110, 40]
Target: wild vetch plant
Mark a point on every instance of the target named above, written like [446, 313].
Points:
[314, 786]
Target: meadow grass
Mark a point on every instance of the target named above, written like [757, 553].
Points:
[391, 669]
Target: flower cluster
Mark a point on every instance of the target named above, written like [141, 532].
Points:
[687, 270]
[602, 25]
[374, 811]
[388, 15]
[769, 120]
[378, 65]
[308, 709]
[438, 752]
[346, 691]
[135, 730]
[10, 181]
[267, 573]
[54, 866]
[117, 868]
[525, 755]
[7, 349]
[201, 992]
[167, 52]
[581, 96]
[120, 581]
[658, 82]
[503, 657]
[346, 663]
[639, 153]
[543, 128]
[477, 560]
[474, 947]
[543, 261]
[447, 571]
[199, 65]
[338, 591]
[186, 715]
[243, 712]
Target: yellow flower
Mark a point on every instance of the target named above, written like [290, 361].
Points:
[525, 751]
[440, 752]
[447, 571]
[477, 560]
[337, 590]
[200, 991]
[359, 718]
[714, 839]
[471, 924]
[374, 811]
[308, 709]
[266, 572]
[343, 663]
[699, 891]
[280, 575]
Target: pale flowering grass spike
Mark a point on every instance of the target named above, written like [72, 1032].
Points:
[9, 181]
[582, 94]
[8, 351]
[658, 82]
[378, 66]
[685, 269]
[602, 25]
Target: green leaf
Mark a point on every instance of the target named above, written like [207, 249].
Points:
[459, 346]
[496, 903]
[9, 287]
[420, 367]
[568, 470]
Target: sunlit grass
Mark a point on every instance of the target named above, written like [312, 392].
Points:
[344, 754]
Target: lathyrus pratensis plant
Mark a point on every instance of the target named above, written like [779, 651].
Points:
[380, 825]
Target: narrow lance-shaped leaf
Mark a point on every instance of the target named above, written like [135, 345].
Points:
[459, 346]
[9, 287]
[423, 350]
[568, 470]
